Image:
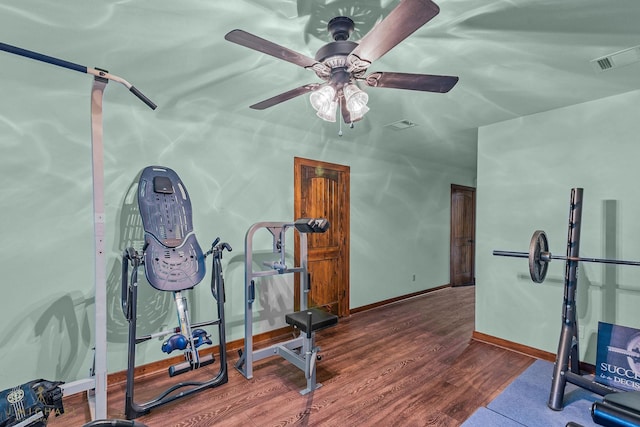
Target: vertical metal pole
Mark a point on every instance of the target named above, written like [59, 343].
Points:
[568, 344]
[132, 301]
[304, 274]
[100, 372]
[220, 300]
[185, 327]
[245, 364]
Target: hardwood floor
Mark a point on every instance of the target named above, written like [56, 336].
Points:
[410, 363]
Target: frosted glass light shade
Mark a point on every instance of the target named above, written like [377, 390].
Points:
[321, 98]
[356, 101]
[328, 113]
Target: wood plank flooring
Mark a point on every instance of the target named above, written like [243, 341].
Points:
[410, 363]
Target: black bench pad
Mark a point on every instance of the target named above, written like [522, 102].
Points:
[320, 319]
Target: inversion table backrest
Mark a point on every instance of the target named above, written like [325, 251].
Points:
[173, 259]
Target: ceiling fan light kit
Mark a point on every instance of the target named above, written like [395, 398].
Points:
[356, 101]
[324, 102]
[342, 63]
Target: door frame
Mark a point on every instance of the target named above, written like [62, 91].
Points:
[455, 188]
[345, 172]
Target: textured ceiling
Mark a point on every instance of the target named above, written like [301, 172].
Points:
[513, 57]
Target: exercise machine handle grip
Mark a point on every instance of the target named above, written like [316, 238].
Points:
[127, 283]
[124, 282]
[143, 98]
[252, 292]
[213, 247]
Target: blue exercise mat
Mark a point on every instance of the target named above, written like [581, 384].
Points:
[524, 403]
[484, 417]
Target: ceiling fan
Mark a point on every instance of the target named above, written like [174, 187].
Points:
[342, 63]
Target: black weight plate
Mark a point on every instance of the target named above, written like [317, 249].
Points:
[537, 266]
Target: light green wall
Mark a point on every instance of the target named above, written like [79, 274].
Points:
[238, 172]
[526, 169]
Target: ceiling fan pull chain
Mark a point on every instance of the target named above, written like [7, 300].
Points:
[340, 122]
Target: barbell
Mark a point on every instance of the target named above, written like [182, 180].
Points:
[540, 257]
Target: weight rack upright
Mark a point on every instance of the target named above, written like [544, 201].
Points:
[567, 364]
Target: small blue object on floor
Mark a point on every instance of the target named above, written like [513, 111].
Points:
[524, 403]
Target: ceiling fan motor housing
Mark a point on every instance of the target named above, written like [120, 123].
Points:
[334, 55]
[339, 49]
[340, 27]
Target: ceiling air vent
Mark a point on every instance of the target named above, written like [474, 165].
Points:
[401, 125]
[604, 64]
[617, 59]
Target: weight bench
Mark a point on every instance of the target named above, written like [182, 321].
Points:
[300, 351]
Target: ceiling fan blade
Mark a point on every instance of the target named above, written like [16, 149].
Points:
[406, 18]
[265, 46]
[285, 96]
[424, 82]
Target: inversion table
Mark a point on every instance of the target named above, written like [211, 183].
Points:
[173, 262]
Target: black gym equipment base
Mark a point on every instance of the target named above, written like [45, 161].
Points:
[114, 423]
[617, 410]
[133, 409]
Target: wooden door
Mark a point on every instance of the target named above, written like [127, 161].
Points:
[462, 245]
[321, 190]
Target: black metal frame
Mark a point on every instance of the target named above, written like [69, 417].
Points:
[129, 308]
[567, 364]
